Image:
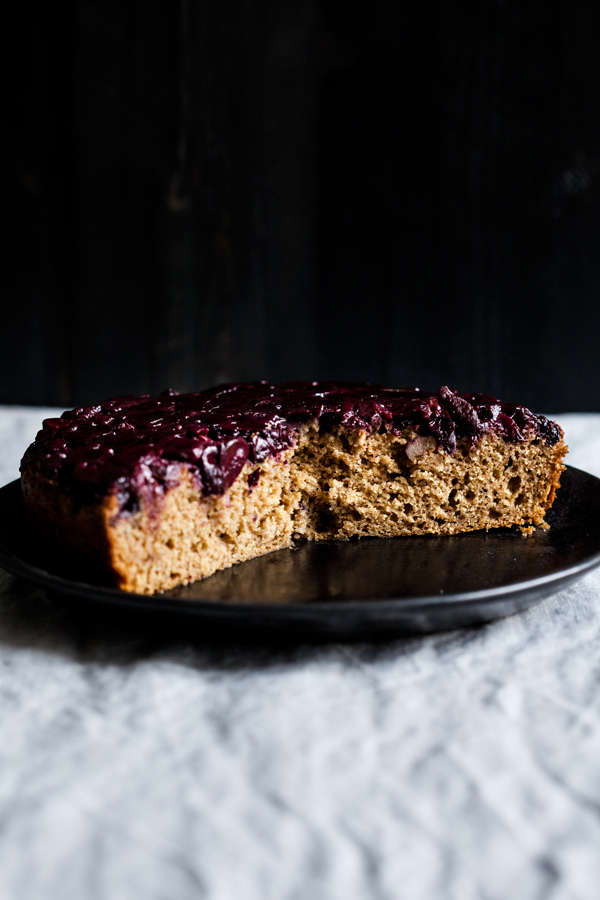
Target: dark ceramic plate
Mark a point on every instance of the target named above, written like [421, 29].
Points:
[348, 590]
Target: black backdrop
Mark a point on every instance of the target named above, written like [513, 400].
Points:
[215, 190]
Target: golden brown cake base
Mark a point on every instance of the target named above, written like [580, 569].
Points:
[331, 485]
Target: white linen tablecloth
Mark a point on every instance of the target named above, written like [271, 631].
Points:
[136, 765]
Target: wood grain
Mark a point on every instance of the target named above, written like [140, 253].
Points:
[201, 191]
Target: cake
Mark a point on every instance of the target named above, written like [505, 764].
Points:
[161, 491]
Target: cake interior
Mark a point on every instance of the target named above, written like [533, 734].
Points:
[333, 484]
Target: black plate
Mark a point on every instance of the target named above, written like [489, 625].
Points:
[341, 590]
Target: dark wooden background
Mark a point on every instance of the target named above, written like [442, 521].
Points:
[214, 190]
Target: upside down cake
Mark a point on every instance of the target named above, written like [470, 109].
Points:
[164, 490]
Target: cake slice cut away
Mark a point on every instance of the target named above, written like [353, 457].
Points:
[162, 491]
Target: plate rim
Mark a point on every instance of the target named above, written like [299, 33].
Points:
[217, 608]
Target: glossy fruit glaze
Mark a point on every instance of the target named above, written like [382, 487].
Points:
[136, 447]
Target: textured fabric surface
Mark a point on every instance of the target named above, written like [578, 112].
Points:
[145, 765]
